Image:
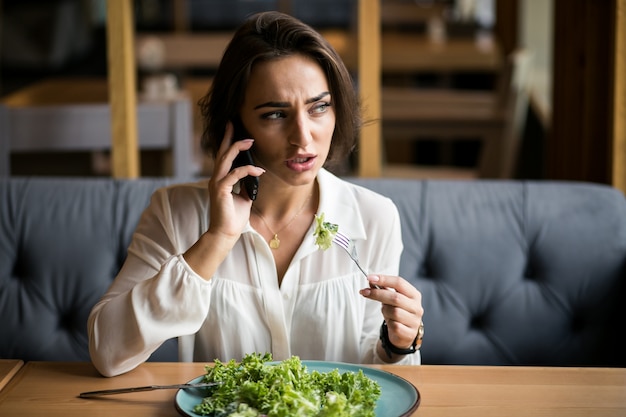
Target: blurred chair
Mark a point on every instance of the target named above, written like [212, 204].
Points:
[496, 117]
[61, 116]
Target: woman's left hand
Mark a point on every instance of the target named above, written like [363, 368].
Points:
[401, 307]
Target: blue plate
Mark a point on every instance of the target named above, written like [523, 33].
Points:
[398, 397]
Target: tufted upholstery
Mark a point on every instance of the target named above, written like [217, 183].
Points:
[521, 273]
[62, 242]
[516, 273]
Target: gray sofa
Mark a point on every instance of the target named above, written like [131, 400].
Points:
[512, 273]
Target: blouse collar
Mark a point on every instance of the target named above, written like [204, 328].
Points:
[339, 206]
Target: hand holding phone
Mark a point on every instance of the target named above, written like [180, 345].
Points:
[250, 183]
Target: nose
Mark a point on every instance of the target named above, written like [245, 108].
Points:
[300, 132]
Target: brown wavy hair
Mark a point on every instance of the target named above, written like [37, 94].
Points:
[272, 35]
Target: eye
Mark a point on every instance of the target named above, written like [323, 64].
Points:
[321, 107]
[273, 115]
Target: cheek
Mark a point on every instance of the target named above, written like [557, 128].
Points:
[328, 136]
[327, 128]
[329, 132]
[265, 153]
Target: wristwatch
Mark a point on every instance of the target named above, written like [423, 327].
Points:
[390, 348]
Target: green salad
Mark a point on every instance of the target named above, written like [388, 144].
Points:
[324, 232]
[255, 387]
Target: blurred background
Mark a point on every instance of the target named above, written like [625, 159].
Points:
[438, 47]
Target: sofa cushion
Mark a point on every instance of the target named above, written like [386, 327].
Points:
[511, 272]
[62, 241]
[518, 273]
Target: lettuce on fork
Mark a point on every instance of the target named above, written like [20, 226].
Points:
[324, 232]
[256, 388]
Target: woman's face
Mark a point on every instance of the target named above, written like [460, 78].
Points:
[287, 110]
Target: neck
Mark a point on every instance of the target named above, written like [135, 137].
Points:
[286, 217]
[275, 205]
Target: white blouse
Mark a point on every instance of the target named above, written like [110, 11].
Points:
[317, 313]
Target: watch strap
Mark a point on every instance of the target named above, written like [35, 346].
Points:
[389, 348]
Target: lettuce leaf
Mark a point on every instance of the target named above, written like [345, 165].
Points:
[285, 389]
[324, 232]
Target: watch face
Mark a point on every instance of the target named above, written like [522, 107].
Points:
[420, 336]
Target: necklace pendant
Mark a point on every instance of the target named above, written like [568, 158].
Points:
[275, 242]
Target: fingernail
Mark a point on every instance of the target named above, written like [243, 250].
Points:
[373, 278]
[366, 292]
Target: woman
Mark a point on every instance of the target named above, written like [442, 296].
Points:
[229, 275]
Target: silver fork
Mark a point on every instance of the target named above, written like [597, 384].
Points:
[146, 388]
[347, 244]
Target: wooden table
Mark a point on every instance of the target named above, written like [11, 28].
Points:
[8, 368]
[52, 388]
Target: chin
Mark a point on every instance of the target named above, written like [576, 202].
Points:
[302, 178]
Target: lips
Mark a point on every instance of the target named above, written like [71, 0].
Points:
[301, 163]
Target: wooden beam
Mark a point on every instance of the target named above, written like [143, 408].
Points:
[369, 74]
[122, 89]
[507, 24]
[580, 142]
[619, 98]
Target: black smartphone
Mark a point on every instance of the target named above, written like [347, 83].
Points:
[250, 183]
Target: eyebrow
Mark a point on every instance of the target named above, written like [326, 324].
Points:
[287, 104]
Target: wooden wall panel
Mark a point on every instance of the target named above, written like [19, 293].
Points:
[507, 25]
[369, 74]
[122, 89]
[619, 99]
[580, 144]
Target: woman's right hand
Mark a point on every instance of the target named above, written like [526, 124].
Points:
[229, 211]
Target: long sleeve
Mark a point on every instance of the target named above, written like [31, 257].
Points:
[155, 297]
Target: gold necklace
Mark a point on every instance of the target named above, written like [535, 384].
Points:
[275, 241]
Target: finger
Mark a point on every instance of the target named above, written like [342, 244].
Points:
[400, 334]
[408, 318]
[227, 139]
[390, 290]
[237, 174]
[224, 159]
[399, 284]
[402, 322]
[222, 165]
[397, 293]
[225, 180]
[230, 183]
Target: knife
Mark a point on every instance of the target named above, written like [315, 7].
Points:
[146, 388]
